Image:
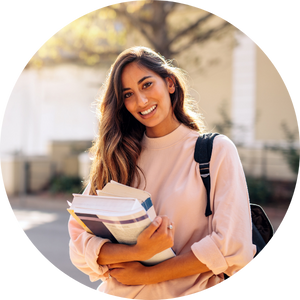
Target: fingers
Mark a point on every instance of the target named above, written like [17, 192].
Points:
[165, 233]
[171, 226]
[157, 221]
[159, 225]
[153, 226]
[106, 274]
[165, 226]
[171, 230]
[155, 238]
[157, 229]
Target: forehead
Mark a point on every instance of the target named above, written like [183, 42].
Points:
[133, 72]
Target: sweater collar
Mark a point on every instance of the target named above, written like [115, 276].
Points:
[168, 140]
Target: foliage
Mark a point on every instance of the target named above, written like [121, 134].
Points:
[291, 153]
[83, 40]
[225, 125]
[263, 191]
[65, 184]
[170, 28]
[259, 190]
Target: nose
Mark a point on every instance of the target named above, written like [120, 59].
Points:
[142, 99]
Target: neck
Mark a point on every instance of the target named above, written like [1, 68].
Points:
[159, 131]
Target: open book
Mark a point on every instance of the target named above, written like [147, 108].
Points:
[119, 213]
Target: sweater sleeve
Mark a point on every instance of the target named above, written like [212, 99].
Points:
[84, 249]
[228, 247]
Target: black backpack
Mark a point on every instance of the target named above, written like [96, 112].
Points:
[262, 230]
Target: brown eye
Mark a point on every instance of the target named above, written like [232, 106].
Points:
[127, 95]
[146, 85]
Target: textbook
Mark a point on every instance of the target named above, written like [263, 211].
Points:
[118, 218]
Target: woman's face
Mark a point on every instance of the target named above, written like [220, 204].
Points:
[147, 97]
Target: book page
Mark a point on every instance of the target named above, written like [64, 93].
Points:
[118, 189]
[106, 214]
[105, 203]
[129, 232]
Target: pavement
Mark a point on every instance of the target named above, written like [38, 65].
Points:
[44, 219]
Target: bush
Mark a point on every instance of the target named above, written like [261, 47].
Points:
[259, 190]
[65, 184]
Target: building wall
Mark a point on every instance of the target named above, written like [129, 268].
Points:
[273, 102]
[209, 66]
[29, 174]
[8, 174]
[53, 103]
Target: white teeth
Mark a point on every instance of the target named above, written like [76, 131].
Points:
[148, 111]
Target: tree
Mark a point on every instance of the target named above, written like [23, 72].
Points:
[87, 40]
[152, 20]
[165, 26]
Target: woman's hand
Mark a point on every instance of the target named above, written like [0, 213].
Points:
[129, 273]
[155, 238]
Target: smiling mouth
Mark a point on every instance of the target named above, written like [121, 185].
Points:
[148, 111]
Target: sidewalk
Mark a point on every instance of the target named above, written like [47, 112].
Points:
[44, 219]
[41, 201]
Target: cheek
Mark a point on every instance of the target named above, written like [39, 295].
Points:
[129, 106]
[167, 101]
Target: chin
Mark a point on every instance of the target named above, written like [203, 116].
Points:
[149, 125]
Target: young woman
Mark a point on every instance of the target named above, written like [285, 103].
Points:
[147, 136]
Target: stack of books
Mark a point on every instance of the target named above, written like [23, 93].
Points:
[119, 213]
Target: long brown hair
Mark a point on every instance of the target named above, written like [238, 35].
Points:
[118, 144]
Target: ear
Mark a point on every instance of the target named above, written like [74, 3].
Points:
[171, 84]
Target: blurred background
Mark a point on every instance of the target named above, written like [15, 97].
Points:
[50, 123]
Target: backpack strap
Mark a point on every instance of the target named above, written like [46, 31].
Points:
[202, 155]
[262, 229]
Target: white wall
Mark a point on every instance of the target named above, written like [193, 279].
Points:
[50, 104]
[244, 90]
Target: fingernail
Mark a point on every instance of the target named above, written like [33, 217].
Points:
[157, 220]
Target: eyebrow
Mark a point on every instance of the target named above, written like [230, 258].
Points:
[140, 81]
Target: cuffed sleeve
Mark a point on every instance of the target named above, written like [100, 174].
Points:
[228, 247]
[84, 249]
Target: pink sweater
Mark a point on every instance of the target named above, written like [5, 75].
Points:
[222, 241]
